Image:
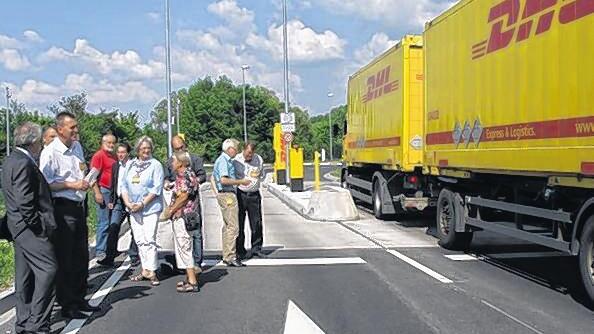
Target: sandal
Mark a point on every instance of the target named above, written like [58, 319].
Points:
[154, 280]
[137, 278]
[187, 287]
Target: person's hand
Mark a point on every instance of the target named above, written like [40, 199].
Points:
[245, 182]
[136, 207]
[99, 198]
[80, 185]
[168, 185]
[110, 206]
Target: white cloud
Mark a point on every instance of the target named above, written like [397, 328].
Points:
[155, 17]
[378, 43]
[304, 43]
[32, 36]
[7, 42]
[200, 39]
[127, 62]
[100, 92]
[239, 19]
[13, 60]
[412, 14]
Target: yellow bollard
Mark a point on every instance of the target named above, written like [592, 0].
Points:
[317, 171]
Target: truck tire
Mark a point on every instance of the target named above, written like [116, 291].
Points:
[586, 258]
[449, 210]
[377, 201]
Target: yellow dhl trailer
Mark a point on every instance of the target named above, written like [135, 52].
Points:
[509, 130]
[382, 148]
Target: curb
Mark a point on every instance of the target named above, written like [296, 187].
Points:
[298, 208]
[331, 177]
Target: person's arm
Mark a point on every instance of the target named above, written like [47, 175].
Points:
[180, 201]
[25, 194]
[227, 181]
[97, 163]
[198, 167]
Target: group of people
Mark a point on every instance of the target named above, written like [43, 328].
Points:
[45, 184]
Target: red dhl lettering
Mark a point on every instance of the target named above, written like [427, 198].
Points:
[379, 85]
[536, 18]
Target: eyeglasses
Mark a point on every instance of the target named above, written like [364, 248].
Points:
[177, 149]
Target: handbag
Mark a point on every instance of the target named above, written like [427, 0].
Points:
[192, 220]
[4, 231]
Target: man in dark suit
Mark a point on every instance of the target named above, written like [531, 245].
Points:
[31, 223]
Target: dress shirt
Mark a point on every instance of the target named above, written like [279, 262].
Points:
[60, 164]
[122, 169]
[252, 170]
[223, 166]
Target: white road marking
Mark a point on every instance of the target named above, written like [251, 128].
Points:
[297, 322]
[511, 317]
[313, 248]
[76, 324]
[421, 267]
[461, 257]
[291, 262]
[4, 318]
[6, 292]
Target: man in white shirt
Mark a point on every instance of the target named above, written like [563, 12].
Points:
[63, 165]
[249, 165]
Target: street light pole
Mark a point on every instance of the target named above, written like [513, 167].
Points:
[330, 95]
[177, 113]
[245, 136]
[168, 78]
[286, 85]
[7, 121]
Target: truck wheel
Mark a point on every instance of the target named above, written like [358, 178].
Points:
[449, 210]
[377, 201]
[586, 258]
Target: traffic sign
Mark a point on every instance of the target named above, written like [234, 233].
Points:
[288, 137]
[288, 122]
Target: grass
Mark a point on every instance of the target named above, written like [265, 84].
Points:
[6, 256]
[7, 251]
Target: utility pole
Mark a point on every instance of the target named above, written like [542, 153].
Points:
[7, 121]
[330, 95]
[168, 78]
[245, 136]
[177, 119]
[286, 85]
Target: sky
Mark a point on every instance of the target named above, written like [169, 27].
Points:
[114, 50]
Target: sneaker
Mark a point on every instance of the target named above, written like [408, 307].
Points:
[100, 256]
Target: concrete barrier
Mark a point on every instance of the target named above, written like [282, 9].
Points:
[328, 204]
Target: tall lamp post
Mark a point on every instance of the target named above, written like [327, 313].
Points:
[177, 113]
[286, 86]
[245, 136]
[330, 95]
[168, 77]
[7, 121]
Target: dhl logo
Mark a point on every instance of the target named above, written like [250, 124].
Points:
[507, 23]
[379, 85]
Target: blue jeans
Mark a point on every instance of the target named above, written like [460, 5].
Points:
[103, 223]
[198, 250]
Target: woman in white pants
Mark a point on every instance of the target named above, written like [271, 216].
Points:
[185, 213]
[141, 193]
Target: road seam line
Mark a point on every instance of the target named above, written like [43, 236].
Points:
[511, 317]
[292, 262]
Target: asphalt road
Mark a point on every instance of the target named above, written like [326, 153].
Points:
[367, 276]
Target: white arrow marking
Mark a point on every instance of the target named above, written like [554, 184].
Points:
[299, 323]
